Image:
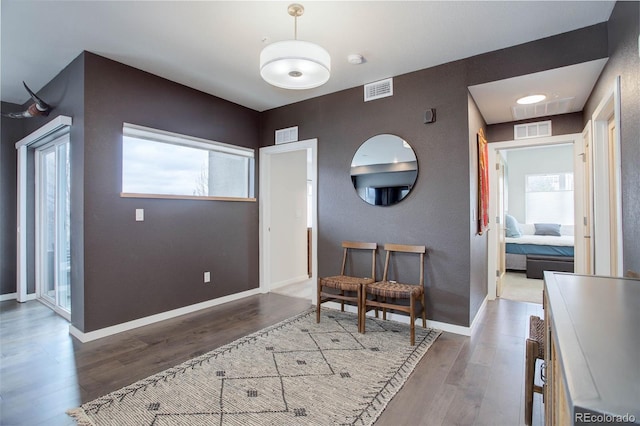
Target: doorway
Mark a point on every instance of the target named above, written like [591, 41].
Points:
[55, 130]
[288, 218]
[495, 267]
[53, 236]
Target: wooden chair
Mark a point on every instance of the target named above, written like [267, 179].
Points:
[387, 289]
[343, 284]
[534, 352]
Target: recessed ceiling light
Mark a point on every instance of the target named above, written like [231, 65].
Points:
[531, 99]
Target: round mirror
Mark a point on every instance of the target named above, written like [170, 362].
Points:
[384, 170]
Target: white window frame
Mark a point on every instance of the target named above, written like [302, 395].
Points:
[163, 136]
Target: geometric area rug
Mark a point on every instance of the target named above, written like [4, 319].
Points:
[295, 372]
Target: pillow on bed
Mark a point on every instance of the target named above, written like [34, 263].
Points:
[511, 227]
[547, 229]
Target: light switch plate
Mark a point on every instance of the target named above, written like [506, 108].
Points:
[139, 215]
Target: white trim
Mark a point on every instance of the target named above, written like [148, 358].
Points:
[49, 131]
[494, 147]
[148, 133]
[299, 279]
[264, 209]
[444, 326]
[583, 172]
[45, 131]
[141, 322]
[8, 296]
[609, 106]
[21, 237]
[479, 314]
[14, 296]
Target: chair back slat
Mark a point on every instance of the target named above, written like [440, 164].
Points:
[386, 265]
[373, 263]
[358, 245]
[344, 260]
[404, 248]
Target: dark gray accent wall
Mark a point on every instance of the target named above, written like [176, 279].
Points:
[11, 131]
[563, 124]
[136, 269]
[624, 60]
[121, 269]
[438, 211]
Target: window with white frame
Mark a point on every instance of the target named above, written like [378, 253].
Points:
[549, 198]
[156, 162]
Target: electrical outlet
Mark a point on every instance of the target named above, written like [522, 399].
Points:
[207, 277]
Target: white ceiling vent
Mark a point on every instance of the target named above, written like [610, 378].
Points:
[290, 134]
[541, 109]
[532, 130]
[378, 89]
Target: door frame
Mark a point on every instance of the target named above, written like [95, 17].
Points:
[40, 151]
[494, 147]
[264, 207]
[49, 132]
[607, 109]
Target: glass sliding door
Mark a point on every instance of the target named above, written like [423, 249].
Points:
[53, 261]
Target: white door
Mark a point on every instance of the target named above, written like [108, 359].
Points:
[607, 223]
[286, 172]
[502, 263]
[53, 238]
[584, 250]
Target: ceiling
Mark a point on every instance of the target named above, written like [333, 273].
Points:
[214, 46]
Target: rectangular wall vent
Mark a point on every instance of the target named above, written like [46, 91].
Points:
[290, 134]
[378, 89]
[553, 107]
[532, 130]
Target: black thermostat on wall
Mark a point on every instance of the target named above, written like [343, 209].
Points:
[430, 116]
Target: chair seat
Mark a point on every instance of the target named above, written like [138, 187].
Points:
[394, 290]
[344, 282]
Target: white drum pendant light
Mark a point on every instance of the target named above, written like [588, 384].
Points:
[295, 64]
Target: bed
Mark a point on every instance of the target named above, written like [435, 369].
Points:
[559, 242]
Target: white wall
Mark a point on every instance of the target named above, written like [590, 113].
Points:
[524, 161]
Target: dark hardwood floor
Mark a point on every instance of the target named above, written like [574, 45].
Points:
[460, 381]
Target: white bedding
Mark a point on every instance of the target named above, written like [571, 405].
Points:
[543, 240]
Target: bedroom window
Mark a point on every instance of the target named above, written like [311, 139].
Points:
[159, 164]
[549, 198]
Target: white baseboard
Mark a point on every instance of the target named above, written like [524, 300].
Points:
[130, 325]
[8, 296]
[14, 296]
[479, 314]
[140, 322]
[451, 328]
[294, 280]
